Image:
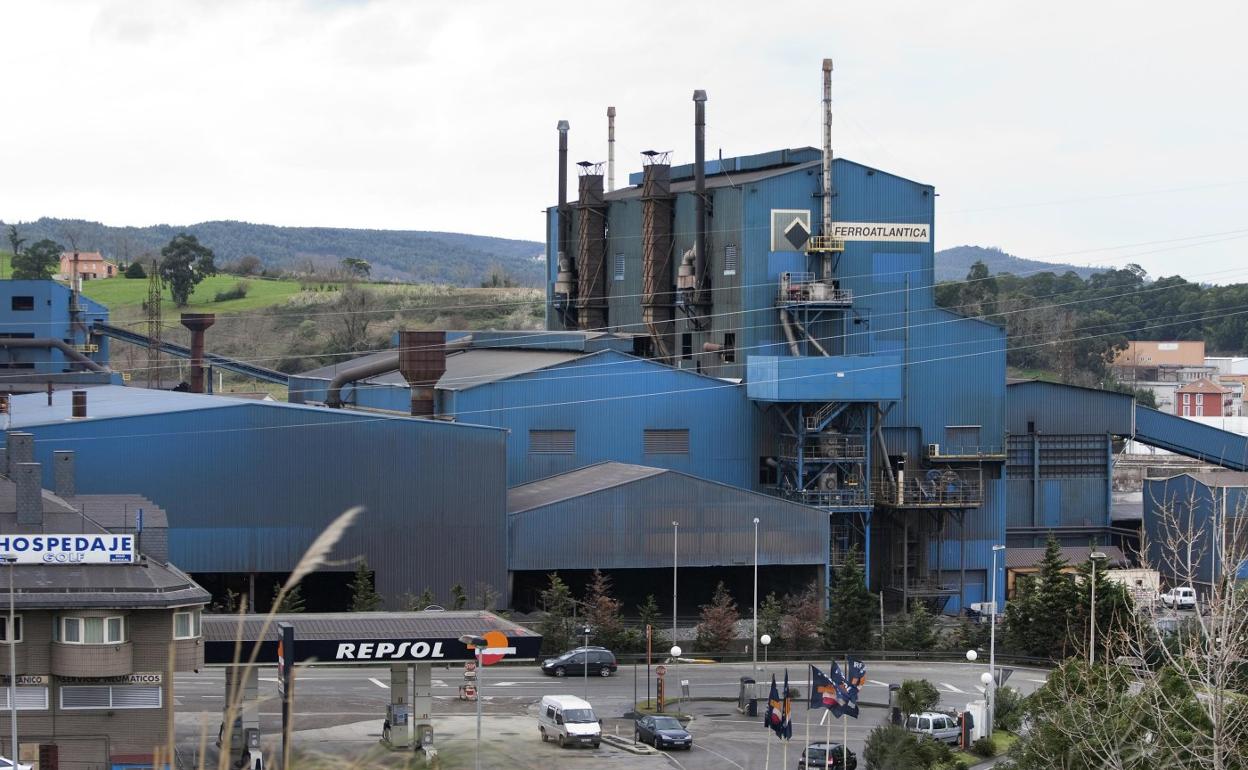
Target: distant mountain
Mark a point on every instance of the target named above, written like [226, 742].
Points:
[397, 255]
[953, 264]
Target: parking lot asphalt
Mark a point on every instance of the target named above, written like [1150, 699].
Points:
[339, 712]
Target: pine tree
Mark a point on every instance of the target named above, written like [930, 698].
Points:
[459, 597]
[364, 596]
[604, 613]
[916, 631]
[717, 628]
[648, 614]
[556, 624]
[292, 602]
[1115, 611]
[851, 609]
[771, 620]
[416, 603]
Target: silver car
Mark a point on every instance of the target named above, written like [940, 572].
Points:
[941, 727]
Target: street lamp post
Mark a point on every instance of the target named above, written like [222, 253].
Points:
[586, 630]
[765, 640]
[754, 637]
[992, 647]
[675, 666]
[478, 643]
[10, 637]
[675, 539]
[1094, 557]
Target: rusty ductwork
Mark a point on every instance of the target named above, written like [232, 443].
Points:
[591, 251]
[198, 323]
[658, 299]
[422, 362]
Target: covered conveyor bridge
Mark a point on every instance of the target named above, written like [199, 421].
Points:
[408, 642]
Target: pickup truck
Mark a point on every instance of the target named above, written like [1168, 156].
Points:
[1180, 598]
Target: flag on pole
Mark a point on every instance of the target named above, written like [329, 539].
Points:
[857, 672]
[773, 719]
[823, 692]
[786, 713]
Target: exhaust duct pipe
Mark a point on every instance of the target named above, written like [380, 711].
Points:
[701, 298]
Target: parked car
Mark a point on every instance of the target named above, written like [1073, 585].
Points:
[824, 756]
[940, 727]
[601, 662]
[662, 732]
[568, 721]
[1180, 598]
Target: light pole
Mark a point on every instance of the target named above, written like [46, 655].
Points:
[477, 643]
[988, 681]
[675, 666]
[992, 647]
[765, 640]
[675, 539]
[1094, 557]
[585, 630]
[754, 637]
[10, 637]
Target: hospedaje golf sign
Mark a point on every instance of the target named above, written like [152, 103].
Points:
[69, 549]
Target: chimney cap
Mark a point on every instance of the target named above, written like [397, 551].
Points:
[563, 125]
[610, 112]
[827, 65]
[699, 95]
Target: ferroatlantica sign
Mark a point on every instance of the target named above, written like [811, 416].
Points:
[881, 231]
[69, 549]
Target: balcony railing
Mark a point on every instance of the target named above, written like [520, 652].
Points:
[818, 243]
[848, 497]
[943, 491]
[804, 288]
[825, 448]
[965, 452]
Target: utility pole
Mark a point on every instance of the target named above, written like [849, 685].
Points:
[153, 326]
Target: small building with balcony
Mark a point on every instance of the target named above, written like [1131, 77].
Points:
[100, 619]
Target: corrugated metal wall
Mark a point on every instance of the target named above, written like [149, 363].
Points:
[1046, 407]
[1191, 438]
[609, 399]
[1182, 526]
[248, 487]
[630, 526]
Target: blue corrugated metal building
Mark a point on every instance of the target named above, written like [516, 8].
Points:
[249, 484]
[1196, 529]
[49, 313]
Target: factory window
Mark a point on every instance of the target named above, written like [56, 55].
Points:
[730, 347]
[667, 441]
[28, 698]
[97, 630]
[619, 266]
[4, 629]
[730, 259]
[186, 624]
[23, 303]
[110, 697]
[686, 346]
[552, 442]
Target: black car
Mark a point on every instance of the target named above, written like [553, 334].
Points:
[600, 662]
[663, 732]
[825, 755]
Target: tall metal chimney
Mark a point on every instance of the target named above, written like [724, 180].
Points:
[610, 149]
[702, 294]
[591, 249]
[657, 298]
[826, 231]
[197, 323]
[564, 300]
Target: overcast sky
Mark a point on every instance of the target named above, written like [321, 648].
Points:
[1095, 133]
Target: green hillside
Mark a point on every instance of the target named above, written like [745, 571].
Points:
[120, 293]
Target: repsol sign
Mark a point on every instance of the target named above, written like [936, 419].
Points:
[348, 649]
[388, 651]
[69, 549]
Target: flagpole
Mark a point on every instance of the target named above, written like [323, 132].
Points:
[788, 713]
[768, 760]
[845, 725]
[810, 693]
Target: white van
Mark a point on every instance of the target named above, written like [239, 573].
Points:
[568, 721]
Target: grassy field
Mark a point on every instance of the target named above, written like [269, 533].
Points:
[119, 293]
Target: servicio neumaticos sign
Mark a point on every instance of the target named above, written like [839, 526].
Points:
[69, 549]
[881, 231]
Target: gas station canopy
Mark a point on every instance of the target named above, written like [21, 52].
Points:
[362, 637]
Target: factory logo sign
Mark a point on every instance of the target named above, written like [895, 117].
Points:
[389, 651]
[790, 229]
[881, 231]
[69, 549]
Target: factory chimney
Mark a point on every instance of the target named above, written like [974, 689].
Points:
[826, 230]
[610, 149]
[702, 295]
[565, 275]
[591, 249]
[198, 323]
[422, 362]
[657, 299]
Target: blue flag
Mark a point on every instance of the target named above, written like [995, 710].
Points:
[822, 692]
[773, 719]
[786, 713]
[857, 672]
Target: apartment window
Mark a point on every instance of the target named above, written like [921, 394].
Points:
[730, 347]
[552, 442]
[23, 303]
[619, 266]
[4, 629]
[75, 630]
[110, 697]
[1187, 398]
[1200, 399]
[686, 346]
[186, 624]
[730, 259]
[28, 698]
[665, 441]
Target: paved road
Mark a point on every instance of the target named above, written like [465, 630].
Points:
[339, 710]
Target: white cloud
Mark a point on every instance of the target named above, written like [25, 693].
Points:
[441, 116]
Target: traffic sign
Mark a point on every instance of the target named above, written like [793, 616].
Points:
[661, 670]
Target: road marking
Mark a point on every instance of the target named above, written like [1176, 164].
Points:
[1038, 681]
[951, 688]
[268, 679]
[700, 747]
[878, 682]
[379, 683]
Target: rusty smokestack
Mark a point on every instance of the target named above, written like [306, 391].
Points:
[78, 404]
[422, 362]
[702, 292]
[658, 301]
[198, 323]
[591, 249]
